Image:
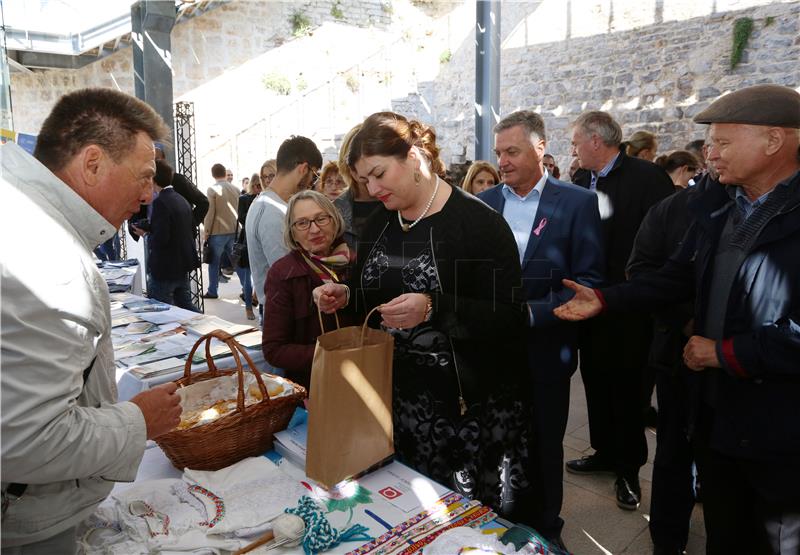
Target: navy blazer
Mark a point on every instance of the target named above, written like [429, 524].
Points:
[565, 242]
[171, 240]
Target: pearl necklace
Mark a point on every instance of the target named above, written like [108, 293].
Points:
[404, 226]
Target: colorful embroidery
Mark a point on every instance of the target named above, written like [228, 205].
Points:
[219, 505]
[392, 535]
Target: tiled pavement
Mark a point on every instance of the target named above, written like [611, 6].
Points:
[594, 523]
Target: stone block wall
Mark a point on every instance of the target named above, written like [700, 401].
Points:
[652, 63]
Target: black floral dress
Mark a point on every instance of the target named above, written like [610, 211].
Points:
[475, 444]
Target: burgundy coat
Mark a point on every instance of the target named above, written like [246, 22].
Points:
[291, 323]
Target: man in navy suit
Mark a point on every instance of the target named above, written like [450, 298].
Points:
[172, 253]
[557, 229]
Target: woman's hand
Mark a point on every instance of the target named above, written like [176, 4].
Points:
[404, 312]
[330, 297]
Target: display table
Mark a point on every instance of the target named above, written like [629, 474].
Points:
[142, 327]
[378, 501]
[129, 384]
[122, 276]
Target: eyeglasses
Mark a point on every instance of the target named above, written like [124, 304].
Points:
[267, 177]
[315, 174]
[323, 220]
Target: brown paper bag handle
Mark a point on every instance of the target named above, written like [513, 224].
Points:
[235, 348]
[321, 325]
[364, 325]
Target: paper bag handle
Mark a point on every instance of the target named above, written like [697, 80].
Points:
[321, 325]
[364, 325]
[235, 348]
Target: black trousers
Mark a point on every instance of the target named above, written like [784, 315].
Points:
[613, 355]
[749, 506]
[546, 455]
[672, 497]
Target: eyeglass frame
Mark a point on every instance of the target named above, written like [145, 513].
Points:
[326, 217]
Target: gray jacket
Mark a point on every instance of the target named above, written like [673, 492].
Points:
[66, 439]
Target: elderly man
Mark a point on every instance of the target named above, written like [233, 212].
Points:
[739, 259]
[65, 440]
[557, 228]
[614, 348]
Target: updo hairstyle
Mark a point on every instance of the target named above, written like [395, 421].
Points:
[390, 134]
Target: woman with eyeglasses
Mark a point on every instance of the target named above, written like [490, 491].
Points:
[318, 255]
[331, 184]
[267, 173]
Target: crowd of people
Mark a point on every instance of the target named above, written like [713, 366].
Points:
[680, 263]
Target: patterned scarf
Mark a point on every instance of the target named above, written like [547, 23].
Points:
[325, 266]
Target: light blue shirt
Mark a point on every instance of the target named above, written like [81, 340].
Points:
[746, 206]
[520, 212]
[602, 173]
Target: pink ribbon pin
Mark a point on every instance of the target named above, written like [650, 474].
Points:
[540, 227]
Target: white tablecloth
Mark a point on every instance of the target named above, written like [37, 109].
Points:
[396, 493]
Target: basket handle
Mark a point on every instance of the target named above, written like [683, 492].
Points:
[236, 349]
[364, 325]
[321, 325]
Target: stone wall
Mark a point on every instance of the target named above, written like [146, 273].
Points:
[652, 63]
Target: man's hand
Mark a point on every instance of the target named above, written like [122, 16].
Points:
[330, 297]
[161, 408]
[701, 353]
[404, 312]
[584, 305]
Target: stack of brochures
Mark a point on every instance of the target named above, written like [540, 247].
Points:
[291, 444]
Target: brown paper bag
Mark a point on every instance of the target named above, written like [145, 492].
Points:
[350, 405]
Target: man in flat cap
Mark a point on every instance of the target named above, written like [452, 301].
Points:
[739, 260]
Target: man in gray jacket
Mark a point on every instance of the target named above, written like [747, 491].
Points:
[298, 162]
[65, 440]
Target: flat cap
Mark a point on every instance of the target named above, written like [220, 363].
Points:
[772, 105]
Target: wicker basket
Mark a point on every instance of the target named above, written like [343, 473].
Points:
[245, 432]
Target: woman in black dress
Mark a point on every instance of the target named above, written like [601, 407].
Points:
[443, 268]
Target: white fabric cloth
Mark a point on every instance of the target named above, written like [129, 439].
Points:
[205, 510]
[264, 228]
[67, 440]
[463, 538]
[253, 492]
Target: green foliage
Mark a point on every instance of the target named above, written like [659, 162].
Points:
[445, 56]
[300, 83]
[301, 26]
[336, 11]
[742, 29]
[769, 20]
[277, 83]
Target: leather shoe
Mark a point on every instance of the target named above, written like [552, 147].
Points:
[210, 296]
[590, 464]
[629, 494]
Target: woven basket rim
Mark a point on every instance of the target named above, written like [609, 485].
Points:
[266, 403]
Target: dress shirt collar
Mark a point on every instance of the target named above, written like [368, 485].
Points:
[605, 171]
[539, 188]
